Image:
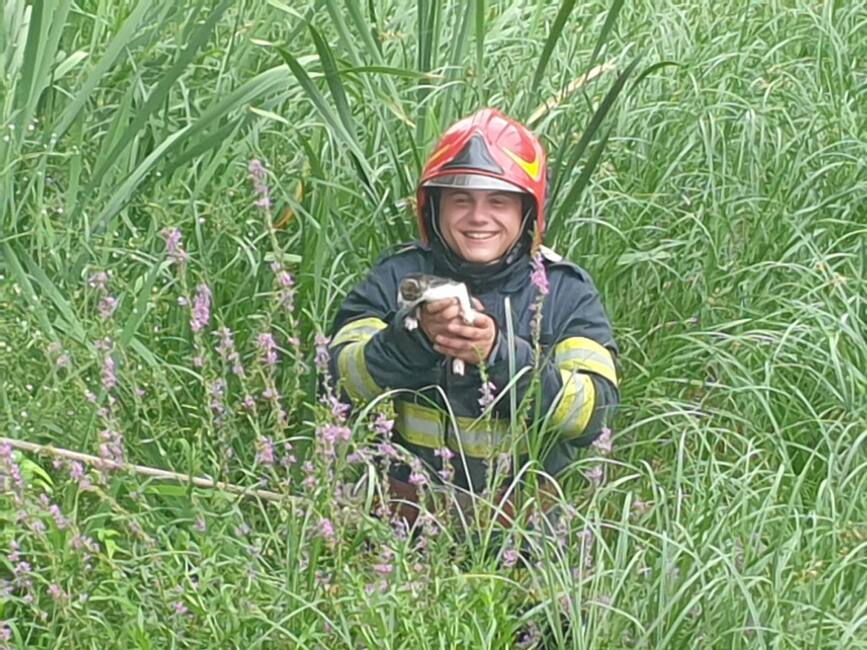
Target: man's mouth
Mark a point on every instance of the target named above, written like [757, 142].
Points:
[481, 236]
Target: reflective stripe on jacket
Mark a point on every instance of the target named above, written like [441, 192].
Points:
[372, 351]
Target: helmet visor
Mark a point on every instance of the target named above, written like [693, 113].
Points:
[473, 182]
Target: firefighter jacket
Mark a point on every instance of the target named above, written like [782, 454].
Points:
[373, 352]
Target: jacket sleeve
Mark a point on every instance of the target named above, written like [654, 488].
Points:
[371, 351]
[577, 374]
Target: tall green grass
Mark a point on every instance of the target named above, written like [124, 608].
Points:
[719, 206]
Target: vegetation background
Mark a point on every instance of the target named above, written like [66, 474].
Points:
[149, 276]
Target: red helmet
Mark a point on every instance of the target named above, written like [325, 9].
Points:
[487, 150]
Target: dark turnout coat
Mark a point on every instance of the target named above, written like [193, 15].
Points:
[372, 352]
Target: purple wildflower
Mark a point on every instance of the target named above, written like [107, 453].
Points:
[63, 361]
[265, 451]
[530, 637]
[268, 347]
[383, 426]
[387, 449]
[594, 475]
[174, 245]
[322, 355]
[539, 276]
[108, 376]
[15, 554]
[98, 280]
[200, 525]
[61, 521]
[85, 543]
[227, 352]
[180, 609]
[332, 433]
[289, 458]
[258, 175]
[384, 569]
[56, 592]
[111, 449]
[309, 481]
[487, 394]
[201, 308]
[447, 473]
[417, 478]
[286, 282]
[107, 305]
[9, 467]
[5, 633]
[76, 473]
[510, 557]
[602, 444]
[326, 530]
[339, 410]
[218, 394]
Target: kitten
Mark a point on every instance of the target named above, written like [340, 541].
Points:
[418, 288]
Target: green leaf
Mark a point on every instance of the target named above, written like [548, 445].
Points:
[556, 31]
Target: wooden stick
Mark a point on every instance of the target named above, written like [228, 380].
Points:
[152, 472]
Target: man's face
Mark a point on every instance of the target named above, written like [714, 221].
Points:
[480, 225]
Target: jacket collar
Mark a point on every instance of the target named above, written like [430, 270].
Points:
[509, 279]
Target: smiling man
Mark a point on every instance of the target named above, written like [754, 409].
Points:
[481, 216]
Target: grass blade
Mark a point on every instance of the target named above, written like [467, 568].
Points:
[556, 31]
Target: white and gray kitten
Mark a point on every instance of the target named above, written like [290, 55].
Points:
[418, 288]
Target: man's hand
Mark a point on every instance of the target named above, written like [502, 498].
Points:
[442, 322]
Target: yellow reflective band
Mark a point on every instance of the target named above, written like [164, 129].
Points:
[576, 404]
[419, 425]
[358, 330]
[354, 373]
[578, 353]
[477, 438]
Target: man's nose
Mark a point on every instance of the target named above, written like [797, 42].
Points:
[478, 212]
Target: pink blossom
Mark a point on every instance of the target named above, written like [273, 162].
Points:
[108, 376]
[265, 451]
[387, 449]
[268, 347]
[594, 475]
[227, 352]
[258, 175]
[201, 308]
[487, 394]
[326, 530]
[98, 280]
[383, 426]
[383, 568]
[56, 592]
[539, 276]
[332, 433]
[322, 355]
[107, 306]
[174, 245]
[510, 557]
[602, 444]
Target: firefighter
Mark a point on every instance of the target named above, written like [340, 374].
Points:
[481, 218]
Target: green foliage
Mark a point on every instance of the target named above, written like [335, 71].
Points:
[718, 204]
